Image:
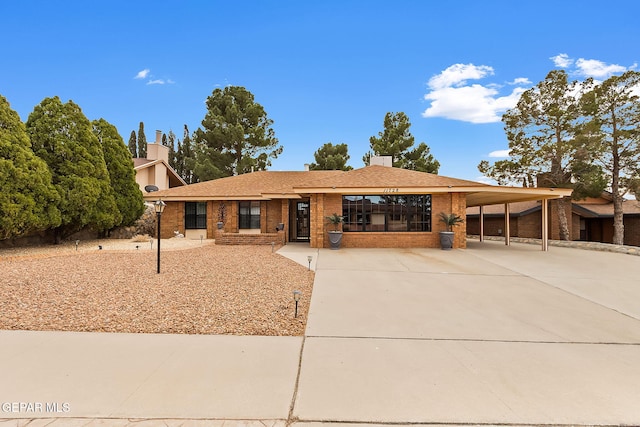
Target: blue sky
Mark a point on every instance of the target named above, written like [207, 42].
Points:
[324, 71]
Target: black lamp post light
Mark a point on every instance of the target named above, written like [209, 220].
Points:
[159, 206]
[296, 298]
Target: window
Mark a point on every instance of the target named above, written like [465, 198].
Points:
[387, 213]
[249, 214]
[195, 215]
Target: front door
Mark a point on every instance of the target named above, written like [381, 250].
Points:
[302, 221]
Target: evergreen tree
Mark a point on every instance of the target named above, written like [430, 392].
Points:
[133, 144]
[396, 140]
[28, 199]
[542, 131]
[164, 140]
[331, 157]
[188, 159]
[142, 142]
[121, 174]
[613, 112]
[171, 141]
[61, 135]
[236, 135]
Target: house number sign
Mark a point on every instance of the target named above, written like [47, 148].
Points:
[390, 190]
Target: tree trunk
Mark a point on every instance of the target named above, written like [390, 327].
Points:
[562, 218]
[618, 223]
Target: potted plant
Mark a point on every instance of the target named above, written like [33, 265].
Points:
[450, 221]
[335, 235]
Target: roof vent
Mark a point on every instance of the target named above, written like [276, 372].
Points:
[381, 161]
[306, 167]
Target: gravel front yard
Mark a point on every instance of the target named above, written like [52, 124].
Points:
[208, 289]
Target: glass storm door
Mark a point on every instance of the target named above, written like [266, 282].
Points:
[302, 221]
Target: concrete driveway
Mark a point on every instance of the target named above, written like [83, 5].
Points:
[490, 334]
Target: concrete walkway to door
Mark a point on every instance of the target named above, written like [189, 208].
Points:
[490, 334]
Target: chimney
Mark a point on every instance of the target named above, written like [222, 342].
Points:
[306, 167]
[381, 161]
[158, 137]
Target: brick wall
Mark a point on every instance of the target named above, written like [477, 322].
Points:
[172, 219]
[323, 205]
[250, 239]
[273, 215]
[632, 230]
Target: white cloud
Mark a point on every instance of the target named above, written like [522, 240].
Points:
[520, 81]
[562, 60]
[458, 74]
[453, 98]
[589, 67]
[142, 74]
[595, 68]
[499, 153]
[156, 82]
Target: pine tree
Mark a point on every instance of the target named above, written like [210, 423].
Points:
[331, 157]
[164, 140]
[128, 196]
[62, 136]
[171, 141]
[28, 199]
[613, 112]
[396, 140]
[236, 135]
[133, 144]
[142, 142]
[542, 131]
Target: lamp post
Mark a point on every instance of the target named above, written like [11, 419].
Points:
[309, 259]
[296, 298]
[159, 206]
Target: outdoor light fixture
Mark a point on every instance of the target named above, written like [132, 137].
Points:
[309, 258]
[296, 298]
[159, 206]
[77, 243]
[151, 240]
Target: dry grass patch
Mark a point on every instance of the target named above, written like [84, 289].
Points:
[242, 290]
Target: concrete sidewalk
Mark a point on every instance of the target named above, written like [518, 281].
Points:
[487, 335]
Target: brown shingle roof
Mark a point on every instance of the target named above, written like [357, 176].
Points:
[247, 185]
[629, 207]
[382, 176]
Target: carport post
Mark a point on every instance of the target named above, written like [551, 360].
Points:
[545, 224]
[507, 231]
[481, 218]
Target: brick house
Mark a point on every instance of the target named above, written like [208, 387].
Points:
[382, 206]
[590, 219]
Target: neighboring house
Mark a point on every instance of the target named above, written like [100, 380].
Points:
[382, 206]
[155, 169]
[590, 219]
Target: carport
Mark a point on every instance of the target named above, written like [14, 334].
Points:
[495, 195]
